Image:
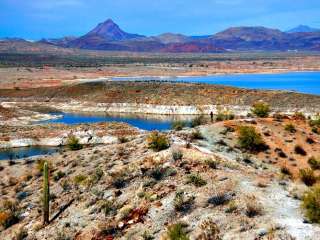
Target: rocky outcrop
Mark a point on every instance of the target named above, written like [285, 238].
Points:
[85, 138]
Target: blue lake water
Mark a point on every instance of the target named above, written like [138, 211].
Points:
[303, 82]
[145, 122]
[18, 153]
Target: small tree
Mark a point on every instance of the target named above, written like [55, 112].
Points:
[74, 144]
[157, 141]
[261, 109]
[250, 140]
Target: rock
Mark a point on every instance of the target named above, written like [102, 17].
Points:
[262, 232]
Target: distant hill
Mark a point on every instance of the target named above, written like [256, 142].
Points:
[303, 29]
[109, 36]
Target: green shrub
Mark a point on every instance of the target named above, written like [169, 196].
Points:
[196, 135]
[200, 120]
[314, 163]
[79, 179]
[178, 125]
[157, 141]
[212, 163]
[177, 155]
[290, 128]
[224, 116]
[311, 204]
[261, 109]
[315, 122]
[177, 232]
[196, 180]
[250, 140]
[307, 176]
[73, 143]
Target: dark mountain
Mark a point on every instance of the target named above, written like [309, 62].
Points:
[171, 38]
[102, 37]
[303, 29]
[250, 38]
[110, 37]
[62, 42]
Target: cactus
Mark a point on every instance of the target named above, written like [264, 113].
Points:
[46, 193]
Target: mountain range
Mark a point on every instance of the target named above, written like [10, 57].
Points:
[110, 37]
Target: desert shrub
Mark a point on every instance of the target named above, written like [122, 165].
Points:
[220, 197]
[209, 230]
[119, 179]
[147, 236]
[290, 128]
[79, 179]
[58, 175]
[299, 116]
[9, 214]
[307, 176]
[159, 172]
[311, 204]
[40, 163]
[314, 163]
[310, 140]
[224, 116]
[315, 130]
[177, 232]
[157, 141]
[123, 139]
[299, 150]
[196, 180]
[177, 155]
[286, 171]
[315, 122]
[211, 163]
[178, 125]
[196, 135]
[253, 207]
[21, 234]
[182, 202]
[73, 143]
[250, 140]
[261, 109]
[200, 120]
[108, 207]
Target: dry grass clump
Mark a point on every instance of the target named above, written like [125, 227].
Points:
[209, 231]
[307, 176]
[9, 214]
[290, 128]
[311, 204]
[252, 207]
[157, 141]
[196, 180]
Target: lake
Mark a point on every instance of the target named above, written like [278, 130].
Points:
[303, 82]
[141, 121]
[22, 152]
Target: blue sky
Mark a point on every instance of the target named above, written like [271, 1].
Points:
[34, 19]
